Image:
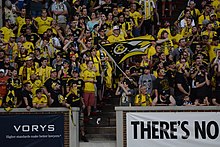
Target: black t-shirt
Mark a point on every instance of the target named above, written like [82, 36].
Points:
[165, 101]
[73, 100]
[171, 76]
[76, 33]
[106, 8]
[181, 79]
[29, 97]
[204, 90]
[49, 82]
[32, 38]
[24, 27]
[162, 84]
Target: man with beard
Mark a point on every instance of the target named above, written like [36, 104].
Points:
[161, 83]
[27, 69]
[182, 87]
[203, 89]
[164, 99]
[28, 24]
[7, 67]
[147, 79]
[27, 96]
[52, 89]
[6, 30]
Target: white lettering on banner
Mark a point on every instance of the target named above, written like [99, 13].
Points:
[34, 128]
[172, 129]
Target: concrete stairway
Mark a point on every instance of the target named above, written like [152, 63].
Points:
[102, 125]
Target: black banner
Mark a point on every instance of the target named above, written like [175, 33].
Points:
[32, 130]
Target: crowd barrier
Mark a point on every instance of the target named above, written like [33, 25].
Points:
[162, 125]
[39, 127]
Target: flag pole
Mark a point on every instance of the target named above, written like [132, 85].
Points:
[115, 63]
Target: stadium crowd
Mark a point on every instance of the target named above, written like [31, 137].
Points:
[50, 54]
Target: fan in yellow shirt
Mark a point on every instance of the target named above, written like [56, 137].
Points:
[208, 32]
[40, 100]
[116, 36]
[20, 21]
[44, 22]
[143, 99]
[7, 31]
[44, 71]
[205, 15]
[89, 77]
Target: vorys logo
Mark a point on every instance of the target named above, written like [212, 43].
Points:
[34, 128]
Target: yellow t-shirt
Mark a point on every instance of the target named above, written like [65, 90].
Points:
[43, 25]
[210, 34]
[25, 74]
[212, 53]
[97, 63]
[167, 47]
[89, 75]
[114, 38]
[20, 21]
[7, 33]
[83, 67]
[44, 73]
[29, 46]
[186, 31]
[42, 100]
[142, 100]
[37, 84]
[215, 4]
[136, 16]
[197, 13]
[216, 25]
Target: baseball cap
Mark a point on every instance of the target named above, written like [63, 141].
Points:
[213, 14]
[2, 70]
[116, 28]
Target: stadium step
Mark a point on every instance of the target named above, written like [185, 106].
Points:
[101, 125]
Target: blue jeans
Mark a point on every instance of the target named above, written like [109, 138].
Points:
[136, 32]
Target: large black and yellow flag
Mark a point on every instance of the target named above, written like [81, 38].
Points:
[120, 51]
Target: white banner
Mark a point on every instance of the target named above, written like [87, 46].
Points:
[173, 129]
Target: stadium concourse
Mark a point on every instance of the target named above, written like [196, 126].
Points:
[99, 54]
